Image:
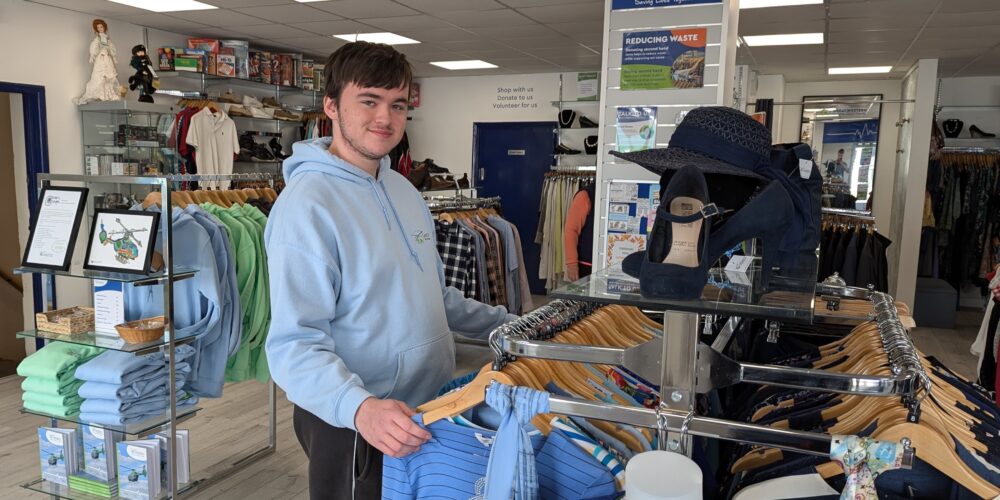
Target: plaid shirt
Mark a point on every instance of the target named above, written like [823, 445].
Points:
[494, 264]
[458, 257]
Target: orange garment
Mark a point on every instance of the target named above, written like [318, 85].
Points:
[575, 219]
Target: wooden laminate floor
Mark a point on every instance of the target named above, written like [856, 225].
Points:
[238, 423]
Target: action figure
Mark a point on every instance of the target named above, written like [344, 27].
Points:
[144, 74]
[103, 84]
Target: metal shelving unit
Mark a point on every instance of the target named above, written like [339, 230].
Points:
[166, 278]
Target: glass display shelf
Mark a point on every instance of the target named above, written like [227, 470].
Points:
[221, 80]
[251, 119]
[105, 340]
[128, 146]
[791, 295]
[128, 107]
[137, 429]
[580, 101]
[64, 492]
[577, 155]
[77, 271]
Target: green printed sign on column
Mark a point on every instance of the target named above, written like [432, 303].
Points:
[664, 59]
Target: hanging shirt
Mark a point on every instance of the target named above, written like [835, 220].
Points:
[216, 142]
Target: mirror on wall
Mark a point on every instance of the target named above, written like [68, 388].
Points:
[843, 132]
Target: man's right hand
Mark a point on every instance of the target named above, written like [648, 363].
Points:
[386, 425]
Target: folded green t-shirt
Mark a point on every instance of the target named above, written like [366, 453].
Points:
[57, 361]
[51, 386]
[55, 411]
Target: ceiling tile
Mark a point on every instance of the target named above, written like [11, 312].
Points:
[553, 42]
[752, 17]
[949, 7]
[334, 27]
[408, 23]
[565, 13]
[315, 42]
[889, 9]
[563, 53]
[481, 44]
[483, 18]
[534, 3]
[249, 3]
[437, 6]
[161, 21]
[508, 32]
[213, 32]
[358, 9]
[298, 13]
[224, 18]
[440, 35]
[876, 23]
[273, 31]
[972, 18]
[101, 8]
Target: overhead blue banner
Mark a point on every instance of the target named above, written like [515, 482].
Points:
[645, 4]
[850, 132]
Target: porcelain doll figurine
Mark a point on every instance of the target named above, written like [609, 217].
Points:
[103, 84]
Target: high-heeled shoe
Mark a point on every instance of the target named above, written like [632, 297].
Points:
[765, 217]
[977, 133]
[674, 264]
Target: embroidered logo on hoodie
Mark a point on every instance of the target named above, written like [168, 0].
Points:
[421, 236]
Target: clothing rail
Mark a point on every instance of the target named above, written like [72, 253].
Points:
[903, 356]
[961, 149]
[559, 314]
[439, 203]
[844, 212]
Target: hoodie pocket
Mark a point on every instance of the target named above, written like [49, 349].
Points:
[422, 370]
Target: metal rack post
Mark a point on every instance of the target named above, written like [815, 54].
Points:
[678, 372]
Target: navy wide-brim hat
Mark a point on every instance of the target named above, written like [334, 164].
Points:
[717, 139]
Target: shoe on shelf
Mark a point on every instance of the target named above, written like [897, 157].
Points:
[587, 122]
[434, 168]
[977, 133]
[676, 260]
[237, 110]
[275, 145]
[262, 153]
[270, 101]
[563, 149]
[280, 114]
[230, 97]
[463, 183]
[566, 118]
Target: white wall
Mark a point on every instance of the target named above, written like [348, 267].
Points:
[49, 47]
[773, 87]
[442, 126]
[974, 100]
[888, 132]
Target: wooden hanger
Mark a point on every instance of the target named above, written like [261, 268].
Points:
[473, 394]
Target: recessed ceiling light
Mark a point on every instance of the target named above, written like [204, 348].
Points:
[757, 4]
[474, 64]
[819, 110]
[386, 38]
[792, 39]
[307, 1]
[827, 116]
[166, 5]
[859, 70]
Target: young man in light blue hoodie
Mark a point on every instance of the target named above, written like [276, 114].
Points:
[361, 319]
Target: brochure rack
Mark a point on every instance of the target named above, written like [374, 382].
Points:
[166, 278]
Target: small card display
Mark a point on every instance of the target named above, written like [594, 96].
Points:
[122, 241]
[54, 228]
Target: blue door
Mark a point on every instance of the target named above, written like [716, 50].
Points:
[510, 160]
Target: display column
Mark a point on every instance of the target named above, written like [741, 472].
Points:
[662, 58]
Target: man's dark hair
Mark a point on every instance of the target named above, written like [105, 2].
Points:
[366, 64]
[841, 150]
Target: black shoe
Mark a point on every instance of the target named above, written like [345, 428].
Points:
[246, 140]
[587, 122]
[463, 183]
[977, 133]
[563, 149]
[261, 153]
[244, 155]
[275, 145]
[566, 118]
[434, 168]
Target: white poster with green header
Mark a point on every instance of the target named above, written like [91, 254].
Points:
[587, 86]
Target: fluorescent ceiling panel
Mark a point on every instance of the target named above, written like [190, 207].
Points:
[859, 70]
[790, 39]
[166, 5]
[386, 38]
[758, 4]
[473, 64]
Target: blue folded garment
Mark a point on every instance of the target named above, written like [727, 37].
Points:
[154, 384]
[135, 413]
[117, 367]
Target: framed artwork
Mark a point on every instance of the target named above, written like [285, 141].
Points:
[122, 241]
[54, 228]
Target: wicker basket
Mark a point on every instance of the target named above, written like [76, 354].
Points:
[67, 321]
[142, 330]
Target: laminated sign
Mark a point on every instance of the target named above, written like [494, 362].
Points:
[645, 4]
[664, 59]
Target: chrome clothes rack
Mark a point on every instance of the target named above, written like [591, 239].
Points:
[709, 370]
[445, 203]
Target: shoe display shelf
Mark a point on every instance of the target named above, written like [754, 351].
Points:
[166, 278]
[128, 138]
[576, 123]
